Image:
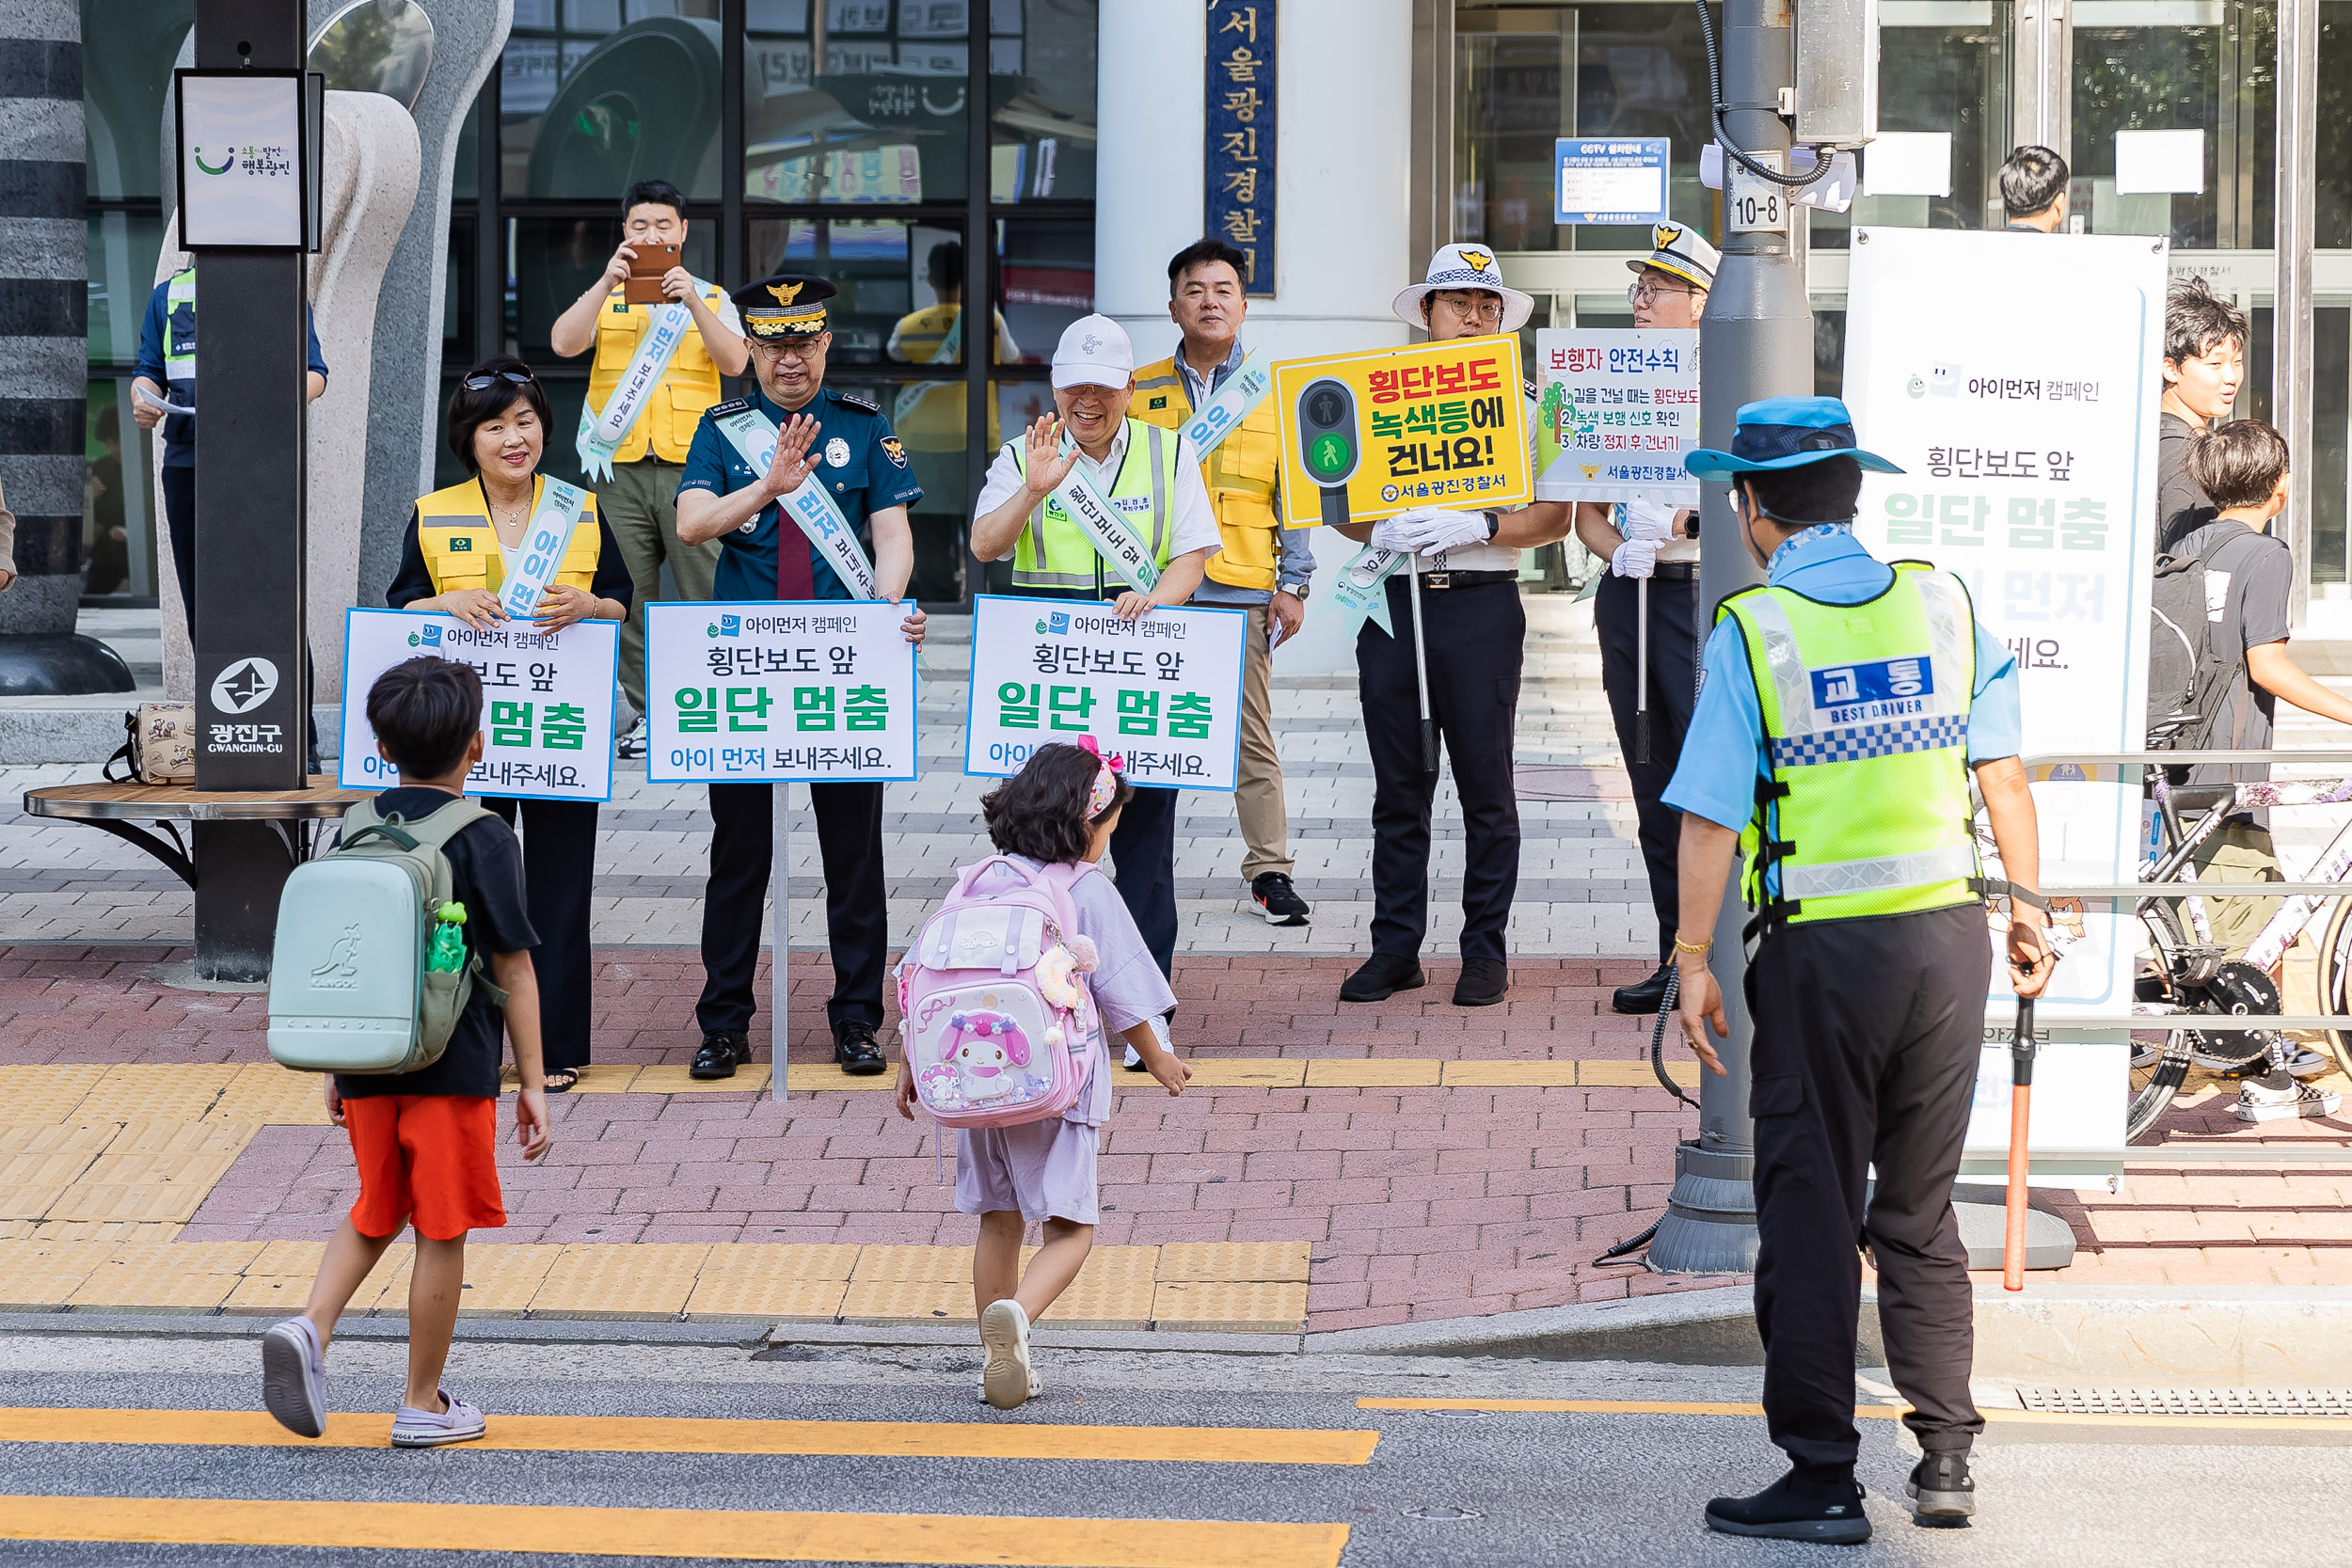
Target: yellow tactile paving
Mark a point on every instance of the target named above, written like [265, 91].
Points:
[674, 1080]
[794, 1261]
[501, 1281]
[155, 1278]
[1280, 1261]
[1117, 1304]
[1106, 1265]
[1633, 1075]
[620, 1281]
[43, 1094]
[607, 1080]
[88, 1137]
[143, 1187]
[268, 1295]
[1238, 1073]
[38, 1274]
[907, 1301]
[1210, 1306]
[273, 1096]
[44, 1168]
[385, 1289]
[22, 1201]
[904, 1265]
[786, 1283]
[1388, 1073]
[147, 1135]
[107, 1230]
[1509, 1075]
[163, 1092]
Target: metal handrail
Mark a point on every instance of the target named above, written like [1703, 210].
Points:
[2184, 757]
[2198, 890]
[2206, 1023]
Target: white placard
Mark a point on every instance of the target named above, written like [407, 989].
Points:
[770, 691]
[2015, 381]
[1908, 163]
[1616, 409]
[2156, 161]
[2077, 1099]
[1164, 692]
[547, 700]
[1752, 204]
[241, 179]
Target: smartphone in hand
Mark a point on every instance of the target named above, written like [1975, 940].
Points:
[651, 265]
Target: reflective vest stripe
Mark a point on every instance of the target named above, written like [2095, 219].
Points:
[1051, 544]
[178, 355]
[1159, 495]
[1950, 863]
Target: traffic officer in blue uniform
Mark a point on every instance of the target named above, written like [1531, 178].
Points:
[1844, 705]
[843, 438]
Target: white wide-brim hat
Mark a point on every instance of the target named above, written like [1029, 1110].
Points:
[1465, 266]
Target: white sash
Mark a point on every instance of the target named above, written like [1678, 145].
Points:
[951, 349]
[753, 435]
[530, 567]
[601, 433]
[1361, 593]
[1223, 414]
[1108, 533]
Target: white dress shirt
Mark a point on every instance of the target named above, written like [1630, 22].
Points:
[1192, 523]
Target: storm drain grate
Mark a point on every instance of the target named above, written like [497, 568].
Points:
[2189, 1402]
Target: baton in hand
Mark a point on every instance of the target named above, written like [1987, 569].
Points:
[2021, 1054]
[1641, 664]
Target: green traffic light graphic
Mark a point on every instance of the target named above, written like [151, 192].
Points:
[1329, 456]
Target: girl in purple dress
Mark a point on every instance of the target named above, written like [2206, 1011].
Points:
[1057, 810]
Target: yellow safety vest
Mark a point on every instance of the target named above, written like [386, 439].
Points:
[666, 424]
[462, 551]
[1241, 475]
[1866, 729]
[929, 416]
[1054, 552]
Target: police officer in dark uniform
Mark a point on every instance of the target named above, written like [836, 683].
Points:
[1475, 642]
[1845, 706]
[843, 438]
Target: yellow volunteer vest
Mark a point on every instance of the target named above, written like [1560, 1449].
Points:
[1240, 474]
[1866, 729]
[666, 427]
[929, 416]
[461, 551]
[1054, 552]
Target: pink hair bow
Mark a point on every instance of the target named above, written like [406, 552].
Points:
[1106, 788]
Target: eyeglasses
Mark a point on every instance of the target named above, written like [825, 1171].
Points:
[1647, 292]
[791, 348]
[484, 383]
[1482, 308]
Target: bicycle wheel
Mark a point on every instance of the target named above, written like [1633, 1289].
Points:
[2155, 1080]
[2335, 978]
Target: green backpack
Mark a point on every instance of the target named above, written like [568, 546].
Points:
[350, 990]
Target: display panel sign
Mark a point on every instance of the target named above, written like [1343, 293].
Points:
[1615, 410]
[1610, 179]
[1437, 425]
[796, 692]
[242, 178]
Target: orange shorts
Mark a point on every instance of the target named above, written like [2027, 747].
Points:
[432, 1158]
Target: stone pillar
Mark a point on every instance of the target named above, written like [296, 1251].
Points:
[1346, 96]
[44, 319]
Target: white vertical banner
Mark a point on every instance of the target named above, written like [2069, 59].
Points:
[2014, 378]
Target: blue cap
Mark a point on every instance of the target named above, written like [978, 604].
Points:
[1785, 433]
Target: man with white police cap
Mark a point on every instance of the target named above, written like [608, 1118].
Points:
[1647, 613]
[1451, 669]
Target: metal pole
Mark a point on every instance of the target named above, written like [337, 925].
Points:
[1755, 342]
[1421, 668]
[2291, 369]
[780, 966]
[1641, 670]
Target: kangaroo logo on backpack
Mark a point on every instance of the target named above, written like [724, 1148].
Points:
[352, 984]
[996, 1016]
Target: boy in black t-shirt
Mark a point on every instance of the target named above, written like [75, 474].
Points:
[2205, 361]
[425, 1141]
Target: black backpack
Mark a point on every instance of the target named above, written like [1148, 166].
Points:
[2187, 676]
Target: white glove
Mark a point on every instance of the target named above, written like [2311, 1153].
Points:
[1635, 557]
[1396, 533]
[1428, 531]
[1647, 520]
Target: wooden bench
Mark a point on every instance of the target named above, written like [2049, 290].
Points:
[241, 845]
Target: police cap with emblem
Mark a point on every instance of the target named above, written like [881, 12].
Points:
[1678, 248]
[1465, 266]
[789, 305]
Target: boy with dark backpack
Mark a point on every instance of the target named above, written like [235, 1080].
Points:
[424, 1139]
[2217, 667]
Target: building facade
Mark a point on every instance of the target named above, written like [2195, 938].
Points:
[1048, 155]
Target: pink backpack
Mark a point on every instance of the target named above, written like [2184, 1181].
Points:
[995, 1019]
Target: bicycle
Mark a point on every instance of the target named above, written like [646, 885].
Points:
[2193, 975]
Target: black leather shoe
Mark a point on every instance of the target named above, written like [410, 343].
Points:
[1642, 996]
[1945, 1493]
[1829, 1513]
[854, 1050]
[1484, 982]
[1382, 975]
[722, 1051]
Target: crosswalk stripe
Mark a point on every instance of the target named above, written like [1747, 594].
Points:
[720, 1534]
[1995, 1413]
[675, 1434]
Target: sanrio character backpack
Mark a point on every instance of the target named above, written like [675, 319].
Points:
[996, 1021]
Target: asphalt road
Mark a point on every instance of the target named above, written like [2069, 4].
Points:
[1614, 1488]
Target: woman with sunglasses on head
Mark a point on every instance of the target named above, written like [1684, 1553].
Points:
[453, 560]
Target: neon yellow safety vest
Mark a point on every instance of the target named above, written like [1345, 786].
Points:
[1865, 728]
[1054, 553]
[180, 347]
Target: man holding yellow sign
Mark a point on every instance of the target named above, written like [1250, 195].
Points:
[1436, 441]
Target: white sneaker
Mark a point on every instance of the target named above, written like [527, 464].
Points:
[2267, 1100]
[429, 1429]
[1036, 1386]
[2146, 1053]
[294, 1377]
[1006, 1378]
[634, 743]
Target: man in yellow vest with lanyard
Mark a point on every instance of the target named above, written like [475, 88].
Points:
[1264, 567]
[656, 369]
[1845, 704]
[1136, 492]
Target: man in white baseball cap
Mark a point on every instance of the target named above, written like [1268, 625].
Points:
[1468, 564]
[1149, 481]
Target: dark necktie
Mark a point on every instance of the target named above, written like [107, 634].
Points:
[796, 572]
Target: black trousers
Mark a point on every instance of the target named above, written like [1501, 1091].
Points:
[1143, 862]
[1866, 1038]
[1476, 638]
[1673, 660]
[180, 519]
[857, 913]
[559, 878]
